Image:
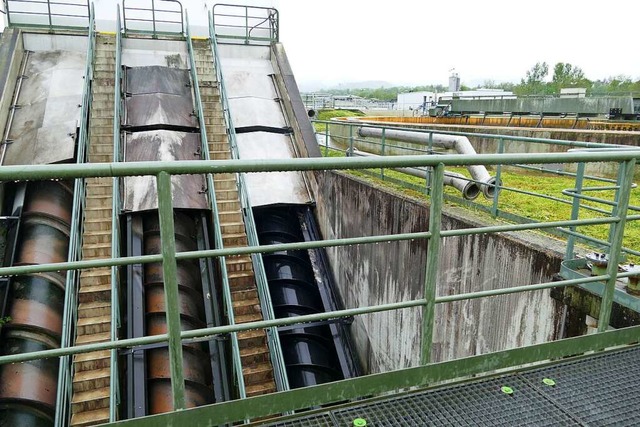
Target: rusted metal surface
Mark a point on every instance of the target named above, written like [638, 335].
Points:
[48, 113]
[140, 192]
[197, 373]
[36, 302]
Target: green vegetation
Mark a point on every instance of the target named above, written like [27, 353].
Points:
[535, 82]
[567, 75]
[536, 208]
[5, 320]
[330, 114]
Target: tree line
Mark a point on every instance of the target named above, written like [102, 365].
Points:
[535, 82]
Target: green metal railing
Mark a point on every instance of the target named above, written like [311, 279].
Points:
[70, 14]
[152, 20]
[246, 23]
[70, 312]
[273, 338]
[351, 388]
[350, 139]
[114, 383]
[217, 231]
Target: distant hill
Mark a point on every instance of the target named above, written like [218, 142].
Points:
[317, 86]
[369, 84]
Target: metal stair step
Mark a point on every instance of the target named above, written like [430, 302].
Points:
[251, 355]
[93, 338]
[95, 293]
[97, 250]
[249, 317]
[89, 380]
[94, 325]
[248, 307]
[234, 240]
[232, 228]
[228, 205]
[97, 224]
[93, 309]
[241, 280]
[226, 194]
[219, 155]
[90, 284]
[259, 373]
[243, 263]
[252, 339]
[97, 237]
[94, 360]
[90, 418]
[90, 400]
[262, 388]
[101, 158]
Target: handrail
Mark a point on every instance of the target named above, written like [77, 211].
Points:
[273, 338]
[241, 25]
[70, 311]
[219, 244]
[49, 13]
[168, 21]
[114, 387]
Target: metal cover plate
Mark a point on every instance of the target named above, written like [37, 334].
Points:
[159, 109]
[242, 83]
[45, 124]
[146, 52]
[156, 79]
[141, 192]
[268, 188]
[256, 112]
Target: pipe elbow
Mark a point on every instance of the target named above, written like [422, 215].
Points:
[489, 187]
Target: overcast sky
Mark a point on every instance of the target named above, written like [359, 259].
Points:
[414, 42]
[418, 42]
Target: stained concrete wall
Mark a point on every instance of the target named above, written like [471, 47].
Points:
[389, 272]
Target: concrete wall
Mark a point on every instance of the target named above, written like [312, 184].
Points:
[389, 272]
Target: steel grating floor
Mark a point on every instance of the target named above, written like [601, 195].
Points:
[598, 390]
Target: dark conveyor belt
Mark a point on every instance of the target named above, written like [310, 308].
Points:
[317, 353]
[35, 306]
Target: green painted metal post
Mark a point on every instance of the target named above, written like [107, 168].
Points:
[382, 140]
[626, 172]
[616, 200]
[326, 139]
[575, 211]
[350, 152]
[496, 192]
[170, 270]
[433, 254]
[429, 168]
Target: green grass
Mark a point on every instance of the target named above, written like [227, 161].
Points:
[330, 114]
[525, 205]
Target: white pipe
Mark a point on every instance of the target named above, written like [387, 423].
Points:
[469, 189]
[452, 142]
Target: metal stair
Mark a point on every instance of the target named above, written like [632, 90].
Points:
[257, 368]
[90, 401]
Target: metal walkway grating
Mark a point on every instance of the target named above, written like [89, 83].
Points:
[595, 391]
[600, 390]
